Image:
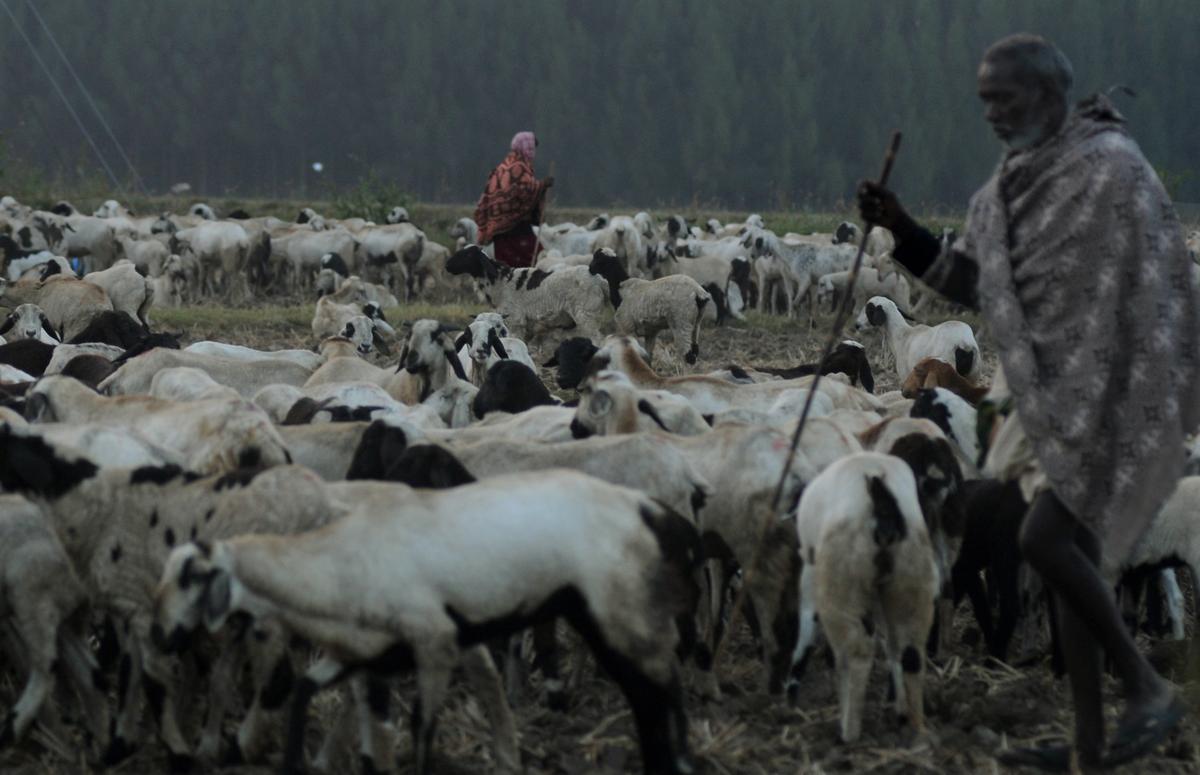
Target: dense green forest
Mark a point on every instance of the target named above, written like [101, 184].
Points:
[767, 104]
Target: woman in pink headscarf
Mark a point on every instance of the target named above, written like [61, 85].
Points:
[512, 203]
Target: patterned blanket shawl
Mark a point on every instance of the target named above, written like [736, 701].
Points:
[512, 195]
[1086, 286]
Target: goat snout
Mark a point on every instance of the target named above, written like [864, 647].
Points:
[579, 430]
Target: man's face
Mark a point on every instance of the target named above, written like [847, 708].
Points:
[1016, 109]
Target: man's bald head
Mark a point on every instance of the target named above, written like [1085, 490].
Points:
[1034, 60]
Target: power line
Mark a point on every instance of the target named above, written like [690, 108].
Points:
[78, 122]
[120, 149]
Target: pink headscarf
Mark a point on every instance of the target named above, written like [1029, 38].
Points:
[524, 144]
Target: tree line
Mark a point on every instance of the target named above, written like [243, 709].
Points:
[759, 104]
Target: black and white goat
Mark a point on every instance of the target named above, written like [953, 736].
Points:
[543, 546]
[868, 563]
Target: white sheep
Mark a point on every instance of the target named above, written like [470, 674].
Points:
[541, 423]
[956, 418]
[393, 250]
[465, 232]
[28, 321]
[17, 268]
[647, 307]
[645, 462]
[306, 358]
[119, 524]
[610, 404]
[711, 395]
[148, 255]
[433, 369]
[213, 435]
[69, 304]
[534, 302]
[136, 375]
[952, 341]
[484, 342]
[299, 252]
[221, 250]
[203, 211]
[170, 285]
[401, 583]
[804, 263]
[128, 291]
[187, 383]
[871, 282]
[867, 564]
[354, 289]
[623, 237]
[44, 602]
[346, 320]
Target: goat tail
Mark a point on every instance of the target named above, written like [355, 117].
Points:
[890, 527]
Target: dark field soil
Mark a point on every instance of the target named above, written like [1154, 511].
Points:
[974, 705]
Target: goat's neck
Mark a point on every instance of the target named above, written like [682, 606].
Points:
[624, 420]
[638, 371]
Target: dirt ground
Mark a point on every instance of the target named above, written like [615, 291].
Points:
[974, 705]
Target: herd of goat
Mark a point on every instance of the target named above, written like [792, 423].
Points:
[414, 497]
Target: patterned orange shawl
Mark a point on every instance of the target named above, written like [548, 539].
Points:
[512, 195]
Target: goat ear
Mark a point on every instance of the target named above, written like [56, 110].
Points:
[646, 408]
[49, 329]
[403, 358]
[456, 364]
[380, 342]
[864, 375]
[463, 340]
[9, 322]
[497, 345]
[218, 599]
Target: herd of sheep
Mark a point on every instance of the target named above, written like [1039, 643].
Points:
[413, 497]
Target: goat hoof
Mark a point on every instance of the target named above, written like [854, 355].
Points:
[179, 762]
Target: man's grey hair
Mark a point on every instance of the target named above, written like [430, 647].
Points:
[1038, 61]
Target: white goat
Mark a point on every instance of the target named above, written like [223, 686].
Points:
[28, 321]
[535, 535]
[485, 342]
[44, 602]
[534, 302]
[951, 341]
[306, 358]
[128, 291]
[212, 435]
[136, 375]
[867, 562]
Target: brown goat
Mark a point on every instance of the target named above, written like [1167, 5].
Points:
[934, 372]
